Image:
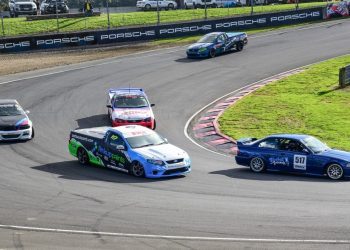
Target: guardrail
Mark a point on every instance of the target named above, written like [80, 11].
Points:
[344, 76]
[114, 36]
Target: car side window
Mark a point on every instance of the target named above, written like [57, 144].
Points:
[291, 145]
[114, 140]
[220, 39]
[270, 143]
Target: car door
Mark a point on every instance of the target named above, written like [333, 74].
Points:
[297, 155]
[220, 44]
[272, 155]
[161, 4]
[117, 148]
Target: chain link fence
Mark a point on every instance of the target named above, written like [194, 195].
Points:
[117, 18]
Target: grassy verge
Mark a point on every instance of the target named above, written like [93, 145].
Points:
[19, 26]
[309, 103]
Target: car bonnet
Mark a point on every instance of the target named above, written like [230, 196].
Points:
[132, 113]
[11, 120]
[164, 152]
[338, 154]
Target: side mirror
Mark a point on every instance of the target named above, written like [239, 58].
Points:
[120, 147]
[152, 105]
[27, 111]
[306, 151]
[109, 106]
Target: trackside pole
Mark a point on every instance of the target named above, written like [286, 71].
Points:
[2, 24]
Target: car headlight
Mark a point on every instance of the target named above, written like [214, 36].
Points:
[348, 165]
[187, 161]
[202, 49]
[155, 162]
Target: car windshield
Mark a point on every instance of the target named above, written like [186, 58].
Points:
[315, 145]
[130, 101]
[10, 110]
[210, 38]
[146, 140]
[16, 1]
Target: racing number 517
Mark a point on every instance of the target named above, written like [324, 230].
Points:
[300, 160]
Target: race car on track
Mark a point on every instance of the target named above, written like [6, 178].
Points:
[14, 122]
[217, 43]
[132, 148]
[130, 106]
[293, 153]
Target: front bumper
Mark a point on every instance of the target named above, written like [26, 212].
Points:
[25, 134]
[26, 12]
[167, 171]
[197, 54]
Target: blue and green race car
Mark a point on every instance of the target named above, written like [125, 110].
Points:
[217, 43]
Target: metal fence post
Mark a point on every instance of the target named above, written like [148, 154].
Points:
[58, 25]
[205, 10]
[2, 24]
[108, 20]
[251, 7]
[158, 17]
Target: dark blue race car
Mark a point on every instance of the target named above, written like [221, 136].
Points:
[216, 43]
[293, 153]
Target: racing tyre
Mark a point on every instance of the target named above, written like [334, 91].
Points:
[257, 165]
[137, 169]
[147, 7]
[83, 157]
[239, 46]
[171, 6]
[212, 53]
[335, 171]
[33, 133]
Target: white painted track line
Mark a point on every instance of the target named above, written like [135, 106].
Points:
[193, 238]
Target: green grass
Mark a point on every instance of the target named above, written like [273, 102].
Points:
[19, 26]
[309, 103]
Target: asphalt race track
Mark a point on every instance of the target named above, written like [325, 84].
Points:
[220, 203]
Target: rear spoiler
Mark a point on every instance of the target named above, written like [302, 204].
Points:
[244, 141]
[113, 91]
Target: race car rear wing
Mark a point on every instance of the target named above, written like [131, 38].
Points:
[245, 141]
[113, 91]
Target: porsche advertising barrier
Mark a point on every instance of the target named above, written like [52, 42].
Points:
[85, 38]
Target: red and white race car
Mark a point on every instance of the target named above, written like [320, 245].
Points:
[130, 106]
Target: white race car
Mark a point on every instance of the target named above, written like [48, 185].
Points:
[14, 122]
[130, 106]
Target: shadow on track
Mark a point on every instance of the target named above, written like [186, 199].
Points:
[94, 121]
[11, 142]
[72, 170]
[247, 174]
[192, 60]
